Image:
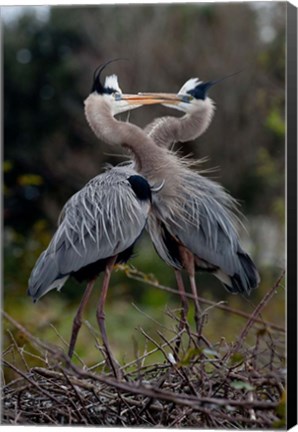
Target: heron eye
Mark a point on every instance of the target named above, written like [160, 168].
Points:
[187, 98]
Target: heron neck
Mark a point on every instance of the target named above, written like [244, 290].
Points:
[168, 130]
[150, 160]
[194, 124]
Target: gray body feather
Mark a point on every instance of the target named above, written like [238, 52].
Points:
[101, 220]
[208, 230]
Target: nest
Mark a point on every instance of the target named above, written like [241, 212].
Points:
[197, 384]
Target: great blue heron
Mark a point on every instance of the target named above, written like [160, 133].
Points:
[99, 225]
[206, 239]
[193, 219]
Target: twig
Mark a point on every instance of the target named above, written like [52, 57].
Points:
[32, 382]
[208, 302]
[183, 399]
[257, 311]
[207, 392]
[20, 350]
[38, 342]
[160, 347]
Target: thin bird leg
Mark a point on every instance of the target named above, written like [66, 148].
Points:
[189, 264]
[77, 322]
[182, 322]
[101, 316]
[184, 301]
[198, 312]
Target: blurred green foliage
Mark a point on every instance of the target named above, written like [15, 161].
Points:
[50, 152]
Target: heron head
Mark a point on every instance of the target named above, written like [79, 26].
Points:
[112, 93]
[193, 95]
[110, 86]
[196, 89]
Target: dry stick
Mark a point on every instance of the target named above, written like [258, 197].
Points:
[145, 355]
[52, 349]
[179, 371]
[191, 335]
[256, 312]
[159, 384]
[65, 343]
[77, 393]
[154, 350]
[47, 416]
[167, 343]
[32, 382]
[37, 357]
[179, 333]
[163, 377]
[182, 399]
[154, 343]
[72, 402]
[221, 415]
[129, 409]
[169, 396]
[150, 318]
[19, 350]
[180, 418]
[209, 302]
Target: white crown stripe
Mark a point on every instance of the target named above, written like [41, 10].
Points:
[189, 85]
[111, 81]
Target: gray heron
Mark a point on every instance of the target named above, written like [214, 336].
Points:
[190, 218]
[99, 225]
[206, 239]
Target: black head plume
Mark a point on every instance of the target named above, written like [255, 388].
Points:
[97, 85]
[200, 91]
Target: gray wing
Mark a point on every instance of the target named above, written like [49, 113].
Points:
[101, 220]
[208, 230]
[212, 238]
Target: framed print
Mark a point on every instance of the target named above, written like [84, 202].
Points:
[150, 215]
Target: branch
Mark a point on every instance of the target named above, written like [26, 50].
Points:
[257, 312]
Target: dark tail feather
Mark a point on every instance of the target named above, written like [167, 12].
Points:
[248, 277]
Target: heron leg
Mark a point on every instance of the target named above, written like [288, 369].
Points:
[188, 262]
[182, 322]
[100, 315]
[198, 312]
[77, 322]
[182, 295]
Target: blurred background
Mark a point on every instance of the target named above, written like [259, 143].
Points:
[49, 55]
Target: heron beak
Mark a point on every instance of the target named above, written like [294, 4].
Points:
[167, 98]
[150, 98]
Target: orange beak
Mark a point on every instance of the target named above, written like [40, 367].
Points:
[150, 98]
